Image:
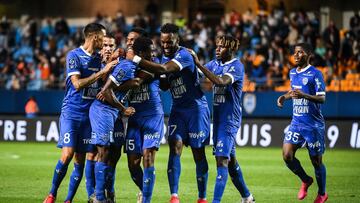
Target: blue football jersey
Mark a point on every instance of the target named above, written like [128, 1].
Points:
[184, 84]
[123, 71]
[146, 99]
[310, 81]
[227, 99]
[79, 62]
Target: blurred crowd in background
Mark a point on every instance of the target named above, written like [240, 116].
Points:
[33, 51]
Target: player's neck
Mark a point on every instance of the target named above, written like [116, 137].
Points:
[301, 67]
[88, 46]
[226, 59]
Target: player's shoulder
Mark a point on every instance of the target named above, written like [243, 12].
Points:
[182, 52]
[74, 52]
[125, 64]
[292, 71]
[315, 70]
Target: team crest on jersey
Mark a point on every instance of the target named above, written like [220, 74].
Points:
[72, 63]
[305, 81]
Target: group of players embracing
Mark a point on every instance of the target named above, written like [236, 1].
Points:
[100, 83]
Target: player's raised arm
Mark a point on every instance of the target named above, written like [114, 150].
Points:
[217, 80]
[150, 66]
[110, 97]
[80, 83]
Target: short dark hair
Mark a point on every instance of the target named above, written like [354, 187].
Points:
[306, 47]
[142, 44]
[109, 35]
[169, 28]
[140, 31]
[93, 28]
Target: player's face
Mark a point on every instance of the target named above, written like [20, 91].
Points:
[98, 39]
[221, 51]
[130, 39]
[300, 56]
[108, 48]
[169, 43]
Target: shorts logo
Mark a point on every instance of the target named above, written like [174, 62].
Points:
[305, 81]
[201, 134]
[152, 136]
[314, 145]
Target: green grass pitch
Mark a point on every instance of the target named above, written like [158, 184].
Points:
[26, 171]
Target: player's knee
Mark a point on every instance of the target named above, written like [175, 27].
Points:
[316, 161]
[66, 155]
[176, 147]
[91, 156]
[222, 161]
[133, 162]
[148, 158]
[287, 156]
[103, 154]
[79, 158]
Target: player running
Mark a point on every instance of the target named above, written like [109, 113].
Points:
[227, 74]
[308, 125]
[189, 117]
[83, 66]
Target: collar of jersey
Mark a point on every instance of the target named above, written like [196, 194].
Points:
[227, 62]
[303, 70]
[87, 53]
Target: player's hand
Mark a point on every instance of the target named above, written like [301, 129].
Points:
[280, 101]
[120, 52]
[130, 54]
[110, 66]
[296, 94]
[129, 111]
[193, 54]
[100, 96]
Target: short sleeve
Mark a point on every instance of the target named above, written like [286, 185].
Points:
[234, 72]
[122, 72]
[73, 64]
[319, 83]
[184, 60]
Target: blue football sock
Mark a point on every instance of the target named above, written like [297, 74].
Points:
[110, 181]
[297, 169]
[101, 169]
[221, 178]
[75, 180]
[90, 177]
[137, 176]
[320, 173]
[59, 174]
[202, 177]
[148, 184]
[174, 169]
[238, 180]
